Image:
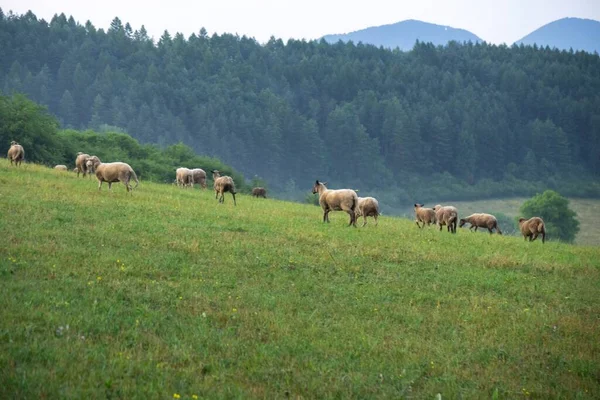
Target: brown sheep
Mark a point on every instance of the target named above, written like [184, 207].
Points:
[259, 192]
[80, 163]
[183, 177]
[367, 207]
[16, 153]
[198, 176]
[424, 215]
[61, 167]
[532, 227]
[115, 172]
[446, 215]
[336, 200]
[223, 184]
[481, 220]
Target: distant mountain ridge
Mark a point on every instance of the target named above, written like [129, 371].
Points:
[404, 34]
[567, 33]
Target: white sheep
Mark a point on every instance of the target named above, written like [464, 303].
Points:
[367, 207]
[336, 200]
[446, 215]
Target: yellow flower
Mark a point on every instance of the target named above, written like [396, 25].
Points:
[234, 310]
[176, 396]
[195, 396]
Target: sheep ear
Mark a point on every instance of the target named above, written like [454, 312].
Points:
[317, 182]
[324, 183]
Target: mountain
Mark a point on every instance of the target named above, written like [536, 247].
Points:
[567, 33]
[404, 35]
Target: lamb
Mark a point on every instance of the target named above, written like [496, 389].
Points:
[115, 172]
[183, 176]
[424, 215]
[259, 192]
[16, 153]
[532, 227]
[198, 176]
[80, 163]
[367, 207]
[446, 215]
[223, 184]
[336, 200]
[481, 220]
[61, 167]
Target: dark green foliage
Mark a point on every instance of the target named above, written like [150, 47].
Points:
[507, 120]
[559, 219]
[507, 225]
[30, 125]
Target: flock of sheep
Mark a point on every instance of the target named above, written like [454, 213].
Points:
[347, 200]
[330, 200]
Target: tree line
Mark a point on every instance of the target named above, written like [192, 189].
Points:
[476, 115]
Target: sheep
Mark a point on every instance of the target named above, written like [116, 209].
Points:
[367, 207]
[424, 215]
[90, 162]
[16, 153]
[532, 227]
[75, 169]
[481, 220]
[183, 176]
[446, 215]
[198, 176]
[80, 163]
[336, 200]
[115, 172]
[61, 167]
[223, 184]
[259, 192]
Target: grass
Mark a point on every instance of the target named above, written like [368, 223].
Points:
[588, 214]
[167, 294]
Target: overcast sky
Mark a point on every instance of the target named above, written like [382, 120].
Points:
[499, 21]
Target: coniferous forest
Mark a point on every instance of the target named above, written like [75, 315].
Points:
[474, 115]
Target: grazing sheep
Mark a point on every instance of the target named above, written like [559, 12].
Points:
[424, 215]
[16, 153]
[446, 215]
[80, 163]
[481, 220]
[61, 167]
[115, 172]
[367, 207]
[259, 192]
[532, 227]
[336, 200]
[198, 176]
[183, 176]
[223, 184]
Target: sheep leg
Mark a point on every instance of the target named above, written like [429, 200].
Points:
[365, 221]
[376, 222]
[99, 185]
[543, 237]
[490, 229]
[352, 218]
[110, 186]
[234, 203]
[534, 237]
[417, 222]
[326, 216]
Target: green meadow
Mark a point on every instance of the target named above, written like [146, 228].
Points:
[167, 294]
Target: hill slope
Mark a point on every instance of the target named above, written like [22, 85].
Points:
[404, 34]
[165, 293]
[565, 34]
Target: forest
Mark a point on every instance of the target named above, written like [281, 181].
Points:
[462, 121]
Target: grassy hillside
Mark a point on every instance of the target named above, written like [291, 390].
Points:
[588, 213]
[167, 294]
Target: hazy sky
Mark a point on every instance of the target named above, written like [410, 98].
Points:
[499, 21]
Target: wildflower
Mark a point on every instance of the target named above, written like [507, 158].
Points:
[99, 278]
[234, 310]
[195, 396]
[176, 396]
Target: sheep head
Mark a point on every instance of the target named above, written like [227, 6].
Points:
[462, 222]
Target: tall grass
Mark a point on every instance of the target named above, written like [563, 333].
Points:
[167, 294]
